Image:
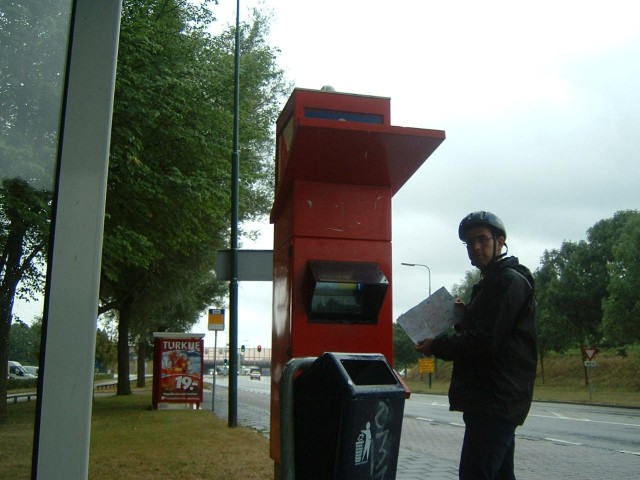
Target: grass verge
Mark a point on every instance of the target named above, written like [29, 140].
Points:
[620, 397]
[614, 381]
[131, 441]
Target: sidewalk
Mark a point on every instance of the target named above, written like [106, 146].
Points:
[411, 465]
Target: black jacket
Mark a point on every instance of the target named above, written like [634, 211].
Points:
[495, 354]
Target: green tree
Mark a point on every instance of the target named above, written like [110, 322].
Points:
[404, 351]
[33, 47]
[463, 289]
[106, 351]
[552, 324]
[24, 343]
[621, 322]
[33, 41]
[169, 176]
[24, 224]
[574, 283]
[571, 293]
[171, 302]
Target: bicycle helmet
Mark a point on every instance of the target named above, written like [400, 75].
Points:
[482, 219]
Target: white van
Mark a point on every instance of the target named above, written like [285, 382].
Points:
[16, 370]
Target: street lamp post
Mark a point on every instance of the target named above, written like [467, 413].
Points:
[420, 265]
[435, 360]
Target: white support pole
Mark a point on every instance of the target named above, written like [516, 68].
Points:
[63, 426]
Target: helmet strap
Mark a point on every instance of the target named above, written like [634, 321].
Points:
[497, 257]
[502, 255]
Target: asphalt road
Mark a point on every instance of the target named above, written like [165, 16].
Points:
[608, 428]
[558, 441]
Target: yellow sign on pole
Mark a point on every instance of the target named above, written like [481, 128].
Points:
[426, 365]
[216, 319]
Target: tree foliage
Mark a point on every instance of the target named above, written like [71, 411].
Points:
[33, 45]
[168, 199]
[621, 309]
[24, 344]
[572, 294]
[33, 40]
[106, 351]
[585, 289]
[404, 351]
[463, 289]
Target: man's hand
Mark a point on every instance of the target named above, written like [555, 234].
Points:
[425, 346]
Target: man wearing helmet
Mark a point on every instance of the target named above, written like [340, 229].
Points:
[494, 351]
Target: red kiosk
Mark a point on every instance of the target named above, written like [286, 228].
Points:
[339, 161]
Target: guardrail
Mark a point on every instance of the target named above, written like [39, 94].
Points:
[104, 386]
[16, 396]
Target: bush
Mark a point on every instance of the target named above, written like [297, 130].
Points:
[22, 384]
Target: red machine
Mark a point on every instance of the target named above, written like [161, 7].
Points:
[339, 162]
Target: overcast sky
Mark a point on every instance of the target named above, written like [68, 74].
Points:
[539, 102]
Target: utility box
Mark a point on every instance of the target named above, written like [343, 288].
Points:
[339, 161]
[348, 412]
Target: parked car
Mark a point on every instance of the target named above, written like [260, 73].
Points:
[16, 370]
[33, 370]
[254, 375]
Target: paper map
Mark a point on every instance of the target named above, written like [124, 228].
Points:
[431, 317]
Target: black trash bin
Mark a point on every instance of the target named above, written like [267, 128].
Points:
[348, 412]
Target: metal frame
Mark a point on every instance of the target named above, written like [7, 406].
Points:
[63, 421]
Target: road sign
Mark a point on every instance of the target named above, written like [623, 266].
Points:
[426, 365]
[216, 319]
[589, 352]
[590, 363]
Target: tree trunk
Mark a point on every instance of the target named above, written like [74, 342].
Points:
[583, 356]
[142, 354]
[124, 385]
[8, 284]
[5, 326]
[542, 367]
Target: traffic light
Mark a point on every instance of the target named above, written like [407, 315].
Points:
[226, 362]
[259, 348]
[242, 348]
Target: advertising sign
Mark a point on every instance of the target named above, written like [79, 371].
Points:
[178, 363]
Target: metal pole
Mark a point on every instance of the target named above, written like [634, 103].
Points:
[435, 360]
[233, 284]
[215, 366]
[421, 265]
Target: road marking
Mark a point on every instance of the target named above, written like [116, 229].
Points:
[630, 453]
[422, 419]
[566, 442]
[455, 424]
[566, 416]
[433, 404]
[586, 420]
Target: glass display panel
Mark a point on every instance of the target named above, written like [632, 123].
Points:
[346, 292]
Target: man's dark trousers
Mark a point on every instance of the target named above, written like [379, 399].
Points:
[488, 448]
